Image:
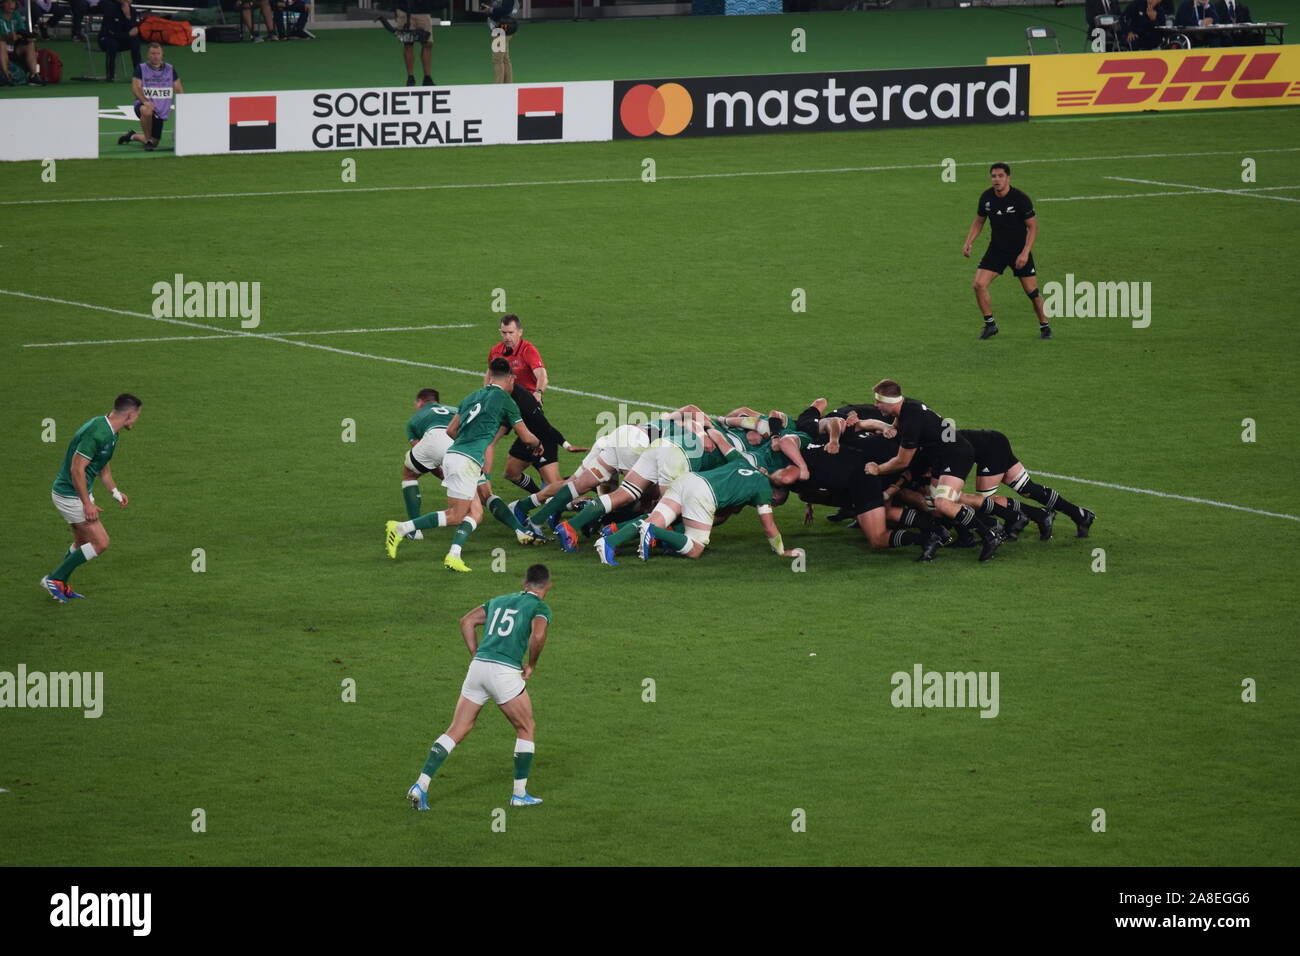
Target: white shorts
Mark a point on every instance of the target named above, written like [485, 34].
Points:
[698, 504]
[426, 454]
[663, 463]
[461, 475]
[488, 679]
[70, 508]
[617, 451]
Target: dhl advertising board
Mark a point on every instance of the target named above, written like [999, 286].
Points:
[1078, 83]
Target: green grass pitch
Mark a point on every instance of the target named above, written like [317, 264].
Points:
[1118, 690]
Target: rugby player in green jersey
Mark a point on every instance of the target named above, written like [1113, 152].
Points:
[514, 626]
[426, 433]
[697, 497]
[484, 416]
[87, 457]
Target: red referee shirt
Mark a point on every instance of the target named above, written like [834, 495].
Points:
[522, 362]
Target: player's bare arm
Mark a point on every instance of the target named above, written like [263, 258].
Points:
[453, 427]
[773, 532]
[79, 482]
[469, 625]
[975, 228]
[106, 476]
[1031, 224]
[897, 463]
[788, 445]
[536, 641]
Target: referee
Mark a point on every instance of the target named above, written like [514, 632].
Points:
[1015, 227]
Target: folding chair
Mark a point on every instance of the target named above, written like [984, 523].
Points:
[1040, 33]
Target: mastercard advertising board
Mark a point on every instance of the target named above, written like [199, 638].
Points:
[1078, 83]
[819, 102]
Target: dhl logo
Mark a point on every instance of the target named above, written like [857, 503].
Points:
[1196, 79]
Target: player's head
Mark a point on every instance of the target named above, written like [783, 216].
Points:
[1000, 175]
[126, 409]
[538, 579]
[426, 396]
[512, 332]
[499, 370]
[155, 55]
[888, 395]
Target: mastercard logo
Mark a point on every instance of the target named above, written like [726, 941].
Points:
[665, 110]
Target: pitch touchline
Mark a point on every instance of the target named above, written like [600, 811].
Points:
[557, 388]
[238, 335]
[1192, 191]
[1205, 189]
[631, 179]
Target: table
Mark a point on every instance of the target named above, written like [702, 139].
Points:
[1221, 34]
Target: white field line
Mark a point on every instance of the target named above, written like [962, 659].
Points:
[1162, 494]
[1205, 189]
[1188, 191]
[238, 335]
[336, 190]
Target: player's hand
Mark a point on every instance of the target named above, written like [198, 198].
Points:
[576, 448]
[807, 515]
[965, 250]
[873, 468]
[890, 432]
[804, 474]
[538, 450]
[528, 671]
[850, 419]
[833, 447]
[92, 511]
[1021, 260]
[121, 502]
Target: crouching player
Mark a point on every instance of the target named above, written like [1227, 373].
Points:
[996, 464]
[154, 83]
[426, 431]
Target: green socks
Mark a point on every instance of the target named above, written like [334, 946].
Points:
[674, 539]
[71, 561]
[411, 495]
[555, 505]
[502, 512]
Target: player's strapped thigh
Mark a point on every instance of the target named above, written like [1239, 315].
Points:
[596, 466]
[697, 504]
[940, 492]
[70, 509]
[429, 451]
[461, 476]
[488, 680]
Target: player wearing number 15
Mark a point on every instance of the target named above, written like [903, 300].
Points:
[514, 626]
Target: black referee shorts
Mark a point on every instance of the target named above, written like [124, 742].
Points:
[550, 453]
[997, 260]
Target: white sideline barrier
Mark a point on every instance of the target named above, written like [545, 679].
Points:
[389, 118]
[63, 127]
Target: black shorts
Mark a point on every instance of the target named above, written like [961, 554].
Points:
[993, 454]
[997, 260]
[550, 453]
[158, 124]
[950, 459]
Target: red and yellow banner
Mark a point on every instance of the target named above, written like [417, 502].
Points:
[1078, 83]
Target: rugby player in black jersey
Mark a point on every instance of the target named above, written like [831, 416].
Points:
[919, 427]
[996, 464]
[1014, 229]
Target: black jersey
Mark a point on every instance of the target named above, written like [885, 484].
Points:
[1007, 215]
[918, 425]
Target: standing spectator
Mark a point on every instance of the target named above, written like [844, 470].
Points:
[17, 40]
[155, 85]
[302, 10]
[120, 31]
[245, 8]
[1140, 21]
[415, 19]
[525, 361]
[502, 26]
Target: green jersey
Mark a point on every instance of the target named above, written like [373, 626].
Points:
[772, 458]
[509, 626]
[428, 417]
[738, 483]
[93, 441]
[481, 414]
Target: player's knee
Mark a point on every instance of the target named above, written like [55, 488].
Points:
[146, 109]
[1032, 293]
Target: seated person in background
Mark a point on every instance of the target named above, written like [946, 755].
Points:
[1234, 11]
[1104, 8]
[1195, 13]
[16, 41]
[245, 8]
[1141, 18]
[120, 31]
[296, 11]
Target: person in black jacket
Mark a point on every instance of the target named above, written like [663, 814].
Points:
[120, 31]
[1141, 18]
